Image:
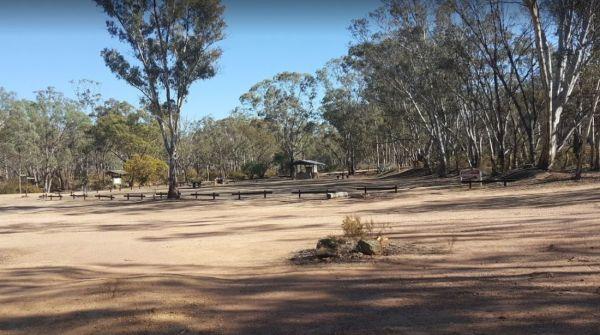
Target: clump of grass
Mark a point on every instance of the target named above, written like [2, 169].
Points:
[353, 226]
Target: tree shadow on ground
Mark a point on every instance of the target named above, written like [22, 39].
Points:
[498, 202]
[443, 299]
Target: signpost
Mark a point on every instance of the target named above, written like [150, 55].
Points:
[470, 176]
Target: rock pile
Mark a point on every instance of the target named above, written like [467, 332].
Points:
[343, 249]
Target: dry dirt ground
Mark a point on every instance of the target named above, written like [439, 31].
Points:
[518, 260]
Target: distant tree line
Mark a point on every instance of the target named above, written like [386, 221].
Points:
[439, 85]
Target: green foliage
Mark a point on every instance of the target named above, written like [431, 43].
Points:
[58, 135]
[271, 172]
[344, 107]
[255, 169]
[98, 181]
[12, 186]
[123, 131]
[144, 170]
[173, 46]
[439, 85]
[286, 103]
[223, 145]
[237, 175]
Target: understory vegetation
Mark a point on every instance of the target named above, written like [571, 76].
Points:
[438, 85]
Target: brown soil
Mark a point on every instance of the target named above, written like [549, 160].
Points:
[518, 260]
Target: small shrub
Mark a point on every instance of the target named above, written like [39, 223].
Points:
[237, 175]
[12, 187]
[353, 226]
[255, 169]
[146, 169]
[271, 172]
[98, 182]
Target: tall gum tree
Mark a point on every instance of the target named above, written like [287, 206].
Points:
[286, 102]
[561, 60]
[173, 45]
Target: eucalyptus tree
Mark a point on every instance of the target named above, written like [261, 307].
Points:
[561, 58]
[408, 71]
[325, 146]
[344, 107]
[58, 126]
[503, 69]
[6, 101]
[124, 131]
[580, 115]
[8, 112]
[173, 44]
[229, 144]
[287, 103]
[16, 142]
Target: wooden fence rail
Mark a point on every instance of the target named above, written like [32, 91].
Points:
[213, 195]
[300, 192]
[160, 195]
[83, 195]
[264, 193]
[378, 188]
[100, 196]
[135, 195]
[488, 181]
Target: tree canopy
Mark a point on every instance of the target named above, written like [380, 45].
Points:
[434, 85]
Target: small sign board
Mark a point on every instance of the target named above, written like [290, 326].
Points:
[470, 174]
[116, 181]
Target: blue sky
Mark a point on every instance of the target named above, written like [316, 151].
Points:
[49, 43]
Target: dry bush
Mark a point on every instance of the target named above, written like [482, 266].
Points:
[354, 226]
[12, 186]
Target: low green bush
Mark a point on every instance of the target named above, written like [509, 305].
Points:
[255, 169]
[12, 187]
[237, 175]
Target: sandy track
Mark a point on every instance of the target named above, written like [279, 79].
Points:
[520, 260]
